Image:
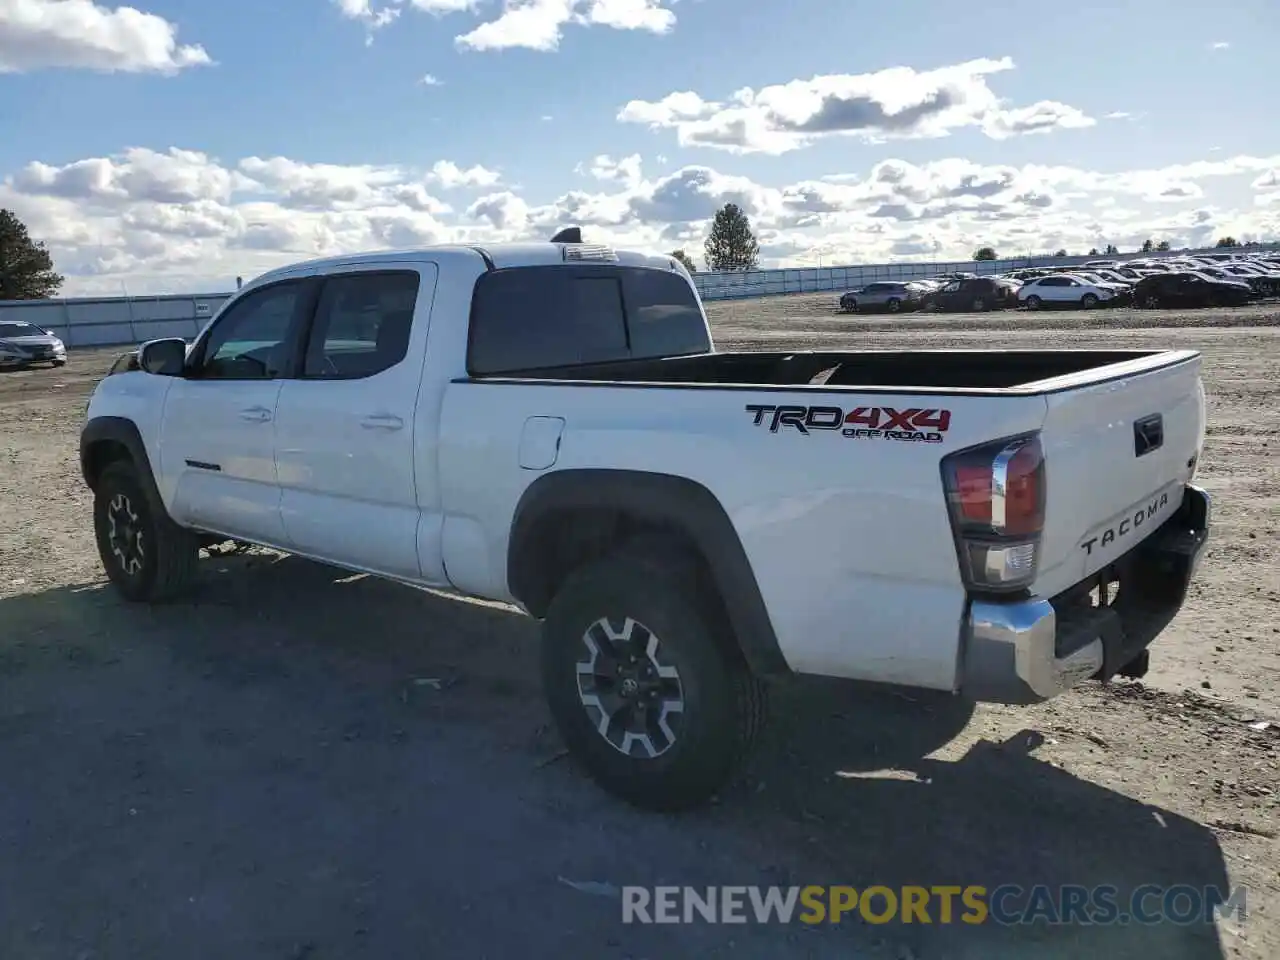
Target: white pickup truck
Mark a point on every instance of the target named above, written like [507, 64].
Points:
[549, 424]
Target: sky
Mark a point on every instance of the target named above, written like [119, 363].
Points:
[175, 145]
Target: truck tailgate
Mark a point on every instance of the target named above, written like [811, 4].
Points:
[1118, 452]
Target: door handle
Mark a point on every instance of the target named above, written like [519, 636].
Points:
[256, 414]
[382, 421]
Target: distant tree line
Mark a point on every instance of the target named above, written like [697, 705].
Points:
[27, 272]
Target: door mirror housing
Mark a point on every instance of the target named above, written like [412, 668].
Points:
[164, 358]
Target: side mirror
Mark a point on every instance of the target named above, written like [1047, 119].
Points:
[165, 358]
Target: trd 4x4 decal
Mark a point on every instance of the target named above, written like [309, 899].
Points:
[912, 425]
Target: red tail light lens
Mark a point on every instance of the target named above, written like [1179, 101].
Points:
[996, 498]
[1018, 489]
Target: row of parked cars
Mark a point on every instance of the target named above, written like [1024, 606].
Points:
[1192, 281]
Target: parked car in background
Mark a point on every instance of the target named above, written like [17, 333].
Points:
[1121, 287]
[1190, 290]
[22, 344]
[1064, 290]
[1116, 277]
[1264, 278]
[885, 295]
[973, 294]
[1258, 286]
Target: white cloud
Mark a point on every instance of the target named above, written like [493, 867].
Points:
[895, 103]
[451, 176]
[625, 170]
[181, 219]
[539, 24]
[1219, 45]
[505, 211]
[431, 80]
[375, 15]
[80, 34]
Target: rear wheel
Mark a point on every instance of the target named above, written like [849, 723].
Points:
[59, 363]
[1034, 302]
[146, 556]
[1089, 301]
[893, 304]
[980, 305]
[646, 688]
[1151, 301]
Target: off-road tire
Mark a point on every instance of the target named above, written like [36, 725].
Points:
[725, 705]
[170, 552]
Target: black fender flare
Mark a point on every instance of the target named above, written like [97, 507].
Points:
[657, 498]
[115, 432]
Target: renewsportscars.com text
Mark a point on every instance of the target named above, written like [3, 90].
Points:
[1007, 905]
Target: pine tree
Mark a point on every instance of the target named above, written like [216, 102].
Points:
[26, 269]
[731, 245]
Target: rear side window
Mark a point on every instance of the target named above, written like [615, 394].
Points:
[527, 318]
[362, 324]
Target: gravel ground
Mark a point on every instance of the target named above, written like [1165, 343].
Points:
[300, 763]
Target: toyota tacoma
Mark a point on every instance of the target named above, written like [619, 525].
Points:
[550, 424]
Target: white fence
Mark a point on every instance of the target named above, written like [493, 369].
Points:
[104, 321]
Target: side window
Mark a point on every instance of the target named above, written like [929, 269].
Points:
[524, 318]
[251, 341]
[663, 315]
[362, 324]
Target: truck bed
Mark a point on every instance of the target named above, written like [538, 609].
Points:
[917, 371]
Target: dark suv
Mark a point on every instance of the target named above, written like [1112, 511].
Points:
[1189, 289]
[973, 294]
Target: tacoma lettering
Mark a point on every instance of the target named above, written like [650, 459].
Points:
[1127, 525]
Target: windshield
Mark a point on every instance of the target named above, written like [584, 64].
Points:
[19, 328]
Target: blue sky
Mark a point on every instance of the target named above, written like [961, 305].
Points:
[304, 127]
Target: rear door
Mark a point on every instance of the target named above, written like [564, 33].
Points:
[1118, 452]
[345, 426]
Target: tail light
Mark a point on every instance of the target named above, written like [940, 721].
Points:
[996, 498]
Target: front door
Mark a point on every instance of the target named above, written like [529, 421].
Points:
[217, 435]
[345, 427]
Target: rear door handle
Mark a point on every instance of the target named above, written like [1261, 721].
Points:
[256, 414]
[382, 421]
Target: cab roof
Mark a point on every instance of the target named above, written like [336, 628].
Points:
[499, 255]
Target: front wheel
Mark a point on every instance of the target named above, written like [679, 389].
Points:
[893, 304]
[1089, 301]
[146, 556]
[645, 686]
[59, 363]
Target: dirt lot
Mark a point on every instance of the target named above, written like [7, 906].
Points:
[299, 763]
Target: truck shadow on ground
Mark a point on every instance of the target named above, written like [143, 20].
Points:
[383, 755]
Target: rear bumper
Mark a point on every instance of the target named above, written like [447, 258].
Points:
[1031, 650]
